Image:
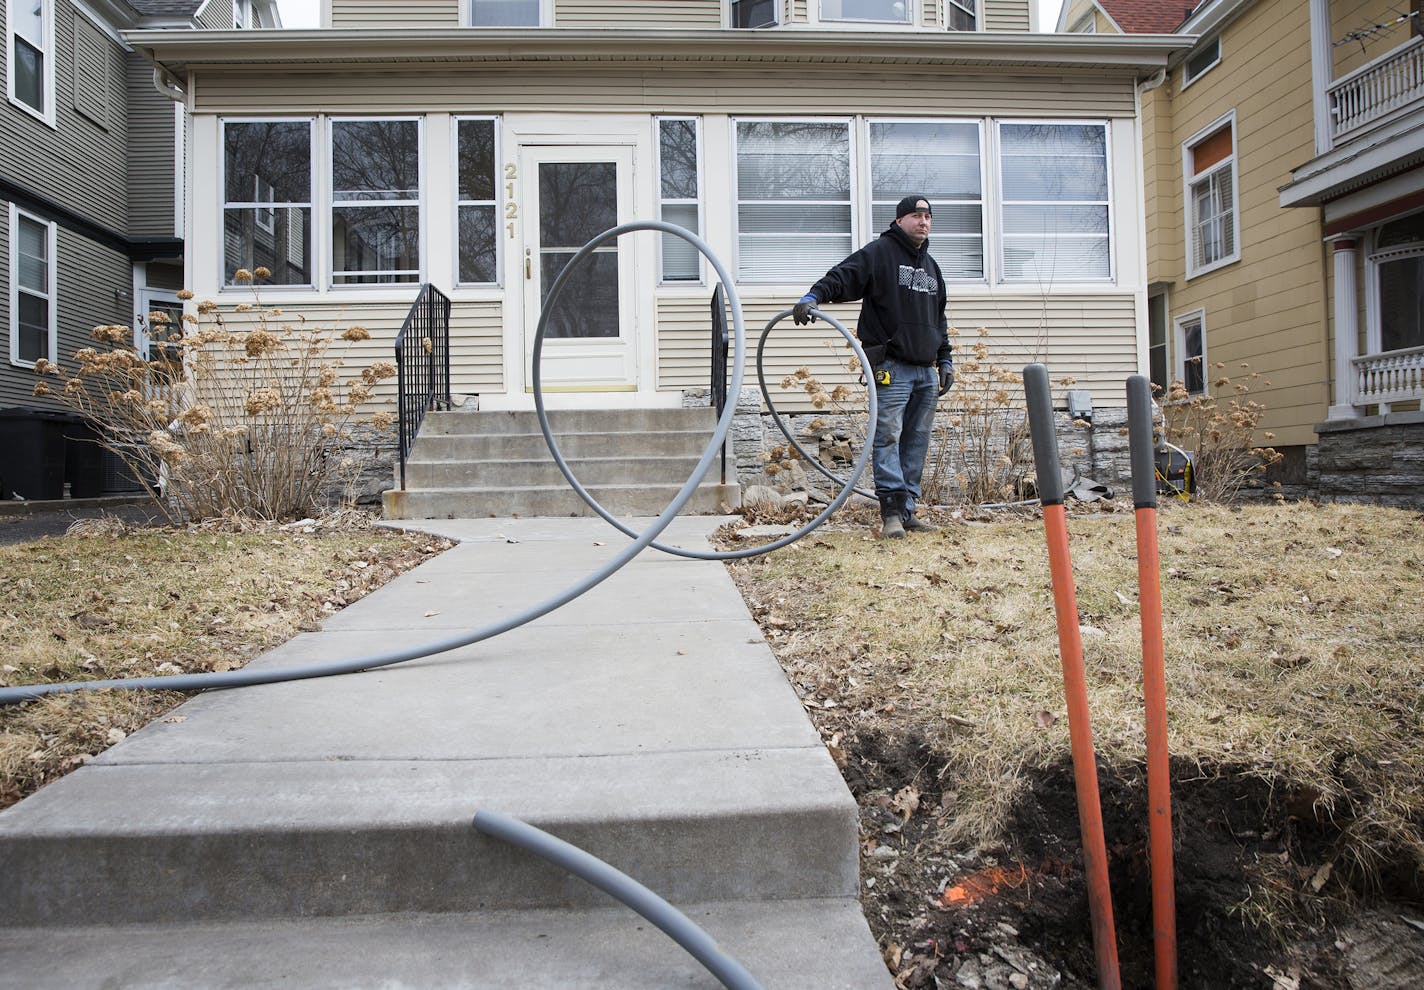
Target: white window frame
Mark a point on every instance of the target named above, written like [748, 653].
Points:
[817, 18]
[1374, 308]
[867, 200]
[316, 248]
[1179, 349]
[331, 205]
[701, 230]
[46, 49]
[242, 14]
[856, 197]
[977, 12]
[776, 9]
[266, 219]
[1190, 181]
[1201, 47]
[546, 16]
[997, 176]
[499, 180]
[51, 279]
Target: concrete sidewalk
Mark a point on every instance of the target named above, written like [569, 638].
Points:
[317, 833]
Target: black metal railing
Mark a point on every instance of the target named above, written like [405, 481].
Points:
[422, 365]
[719, 361]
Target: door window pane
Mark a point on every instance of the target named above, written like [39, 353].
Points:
[577, 202]
[793, 198]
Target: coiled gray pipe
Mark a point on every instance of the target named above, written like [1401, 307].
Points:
[609, 880]
[247, 677]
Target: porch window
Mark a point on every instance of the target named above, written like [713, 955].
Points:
[1398, 263]
[477, 151]
[31, 51]
[1209, 164]
[504, 13]
[267, 199]
[793, 198]
[895, 11]
[678, 190]
[375, 201]
[1191, 351]
[1054, 213]
[754, 13]
[960, 15]
[32, 289]
[941, 160]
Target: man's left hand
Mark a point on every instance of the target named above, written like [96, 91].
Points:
[946, 378]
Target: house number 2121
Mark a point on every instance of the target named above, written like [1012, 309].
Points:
[510, 209]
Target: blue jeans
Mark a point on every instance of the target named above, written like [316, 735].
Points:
[904, 420]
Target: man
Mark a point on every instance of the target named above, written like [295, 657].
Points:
[903, 332]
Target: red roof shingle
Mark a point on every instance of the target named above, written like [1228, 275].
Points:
[1149, 16]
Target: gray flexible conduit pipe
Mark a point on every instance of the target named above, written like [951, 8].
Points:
[247, 677]
[677, 925]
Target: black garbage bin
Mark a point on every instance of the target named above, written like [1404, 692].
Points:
[32, 453]
[83, 460]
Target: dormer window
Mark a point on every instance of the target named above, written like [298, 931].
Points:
[754, 13]
[960, 15]
[892, 11]
[504, 13]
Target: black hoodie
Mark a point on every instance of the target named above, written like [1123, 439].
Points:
[903, 298]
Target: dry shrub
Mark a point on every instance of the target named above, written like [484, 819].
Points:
[1218, 430]
[225, 417]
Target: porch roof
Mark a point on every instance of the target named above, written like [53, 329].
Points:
[183, 51]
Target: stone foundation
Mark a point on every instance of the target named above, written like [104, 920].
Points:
[1373, 459]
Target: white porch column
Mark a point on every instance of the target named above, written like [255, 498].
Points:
[1322, 71]
[1347, 328]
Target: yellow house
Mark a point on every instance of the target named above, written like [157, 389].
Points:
[474, 145]
[1280, 160]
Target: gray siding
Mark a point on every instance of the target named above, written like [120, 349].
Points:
[78, 163]
[151, 155]
[217, 14]
[87, 276]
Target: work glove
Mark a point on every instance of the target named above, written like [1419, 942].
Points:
[946, 378]
[801, 312]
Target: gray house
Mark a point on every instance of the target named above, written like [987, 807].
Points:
[92, 141]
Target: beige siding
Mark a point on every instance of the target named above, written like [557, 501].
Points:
[151, 155]
[385, 13]
[1356, 16]
[476, 348]
[1267, 310]
[929, 16]
[1006, 15]
[1093, 340]
[638, 13]
[806, 89]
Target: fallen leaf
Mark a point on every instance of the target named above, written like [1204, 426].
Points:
[117, 735]
[1321, 877]
[1046, 719]
[429, 614]
[906, 801]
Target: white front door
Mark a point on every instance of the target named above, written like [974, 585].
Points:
[573, 193]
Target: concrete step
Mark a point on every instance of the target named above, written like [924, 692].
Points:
[563, 421]
[711, 498]
[785, 945]
[590, 471]
[531, 446]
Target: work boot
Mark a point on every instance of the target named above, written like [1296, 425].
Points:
[892, 525]
[914, 524]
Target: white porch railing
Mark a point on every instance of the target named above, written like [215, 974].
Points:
[1378, 89]
[1394, 376]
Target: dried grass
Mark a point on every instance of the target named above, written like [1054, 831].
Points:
[1294, 648]
[110, 602]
